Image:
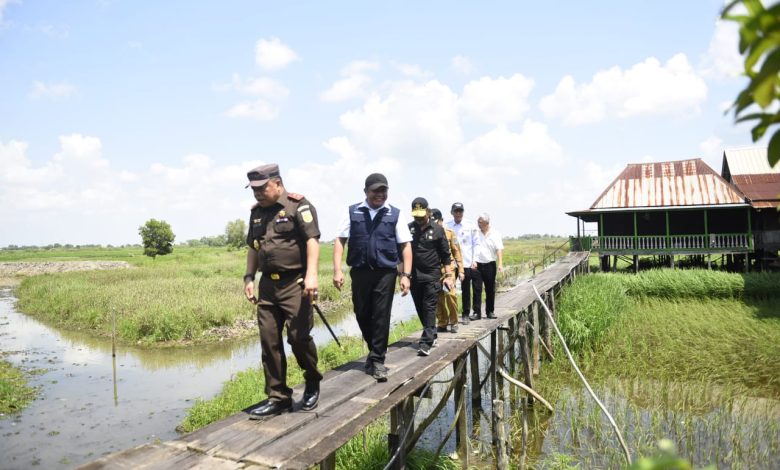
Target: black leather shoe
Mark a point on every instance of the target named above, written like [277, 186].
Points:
[311, 396]
[475, 317]
[464, 319]
[491, 315]
[272, 408]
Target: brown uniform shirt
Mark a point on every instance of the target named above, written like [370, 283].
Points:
[279, 233]
[457, 259]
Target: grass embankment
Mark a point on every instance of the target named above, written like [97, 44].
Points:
[194, 295]
[15, 394]
[690, 355]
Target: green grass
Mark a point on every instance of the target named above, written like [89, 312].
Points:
[247, 387]
[15, 394]
[692, 355]
[175, 298]
[181, 297]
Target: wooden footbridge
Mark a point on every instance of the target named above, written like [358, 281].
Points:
[350, 400]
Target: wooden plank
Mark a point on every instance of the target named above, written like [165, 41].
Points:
[339, 435]
[162, 456]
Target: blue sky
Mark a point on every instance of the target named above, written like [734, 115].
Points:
[113, 112]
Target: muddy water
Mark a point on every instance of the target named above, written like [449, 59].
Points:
[88, 408]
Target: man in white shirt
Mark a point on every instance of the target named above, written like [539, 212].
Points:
[490, 261]
[378, 240]
[469, 239]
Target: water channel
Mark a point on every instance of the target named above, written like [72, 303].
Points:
[83, 411]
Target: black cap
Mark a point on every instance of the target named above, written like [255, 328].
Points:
[260, 175]
[458, 206]
[419, 207]
[436, 215]
[375, 181]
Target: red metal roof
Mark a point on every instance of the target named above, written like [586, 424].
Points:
[762, 190]
[667, 184]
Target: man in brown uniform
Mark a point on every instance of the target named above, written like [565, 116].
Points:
[284, 245]
[447, 306]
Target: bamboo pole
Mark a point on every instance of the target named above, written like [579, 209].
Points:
[585, 381]
[474, 363]
[526, 388]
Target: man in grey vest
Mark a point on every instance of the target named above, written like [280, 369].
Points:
[377, 240]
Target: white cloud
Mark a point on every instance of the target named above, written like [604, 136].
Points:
[273, 54]
[500, 100]
[259, 109]
[41, 90]
[81, 150]
[462, 64]
[723, 59]
[354, 84]
[712, 151]
[646, 88]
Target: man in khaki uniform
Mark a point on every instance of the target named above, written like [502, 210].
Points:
[283, 241]
[447, 306]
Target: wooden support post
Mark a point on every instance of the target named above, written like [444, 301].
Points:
[512, 341]
[329, 463]
[493, 382]
[502, 462]
[474, 363]
[525, 357]
[545, 324]
[461, 432]
[671, 261]
[614, 263]
[400, 420]
[535, 343]
[636, 263]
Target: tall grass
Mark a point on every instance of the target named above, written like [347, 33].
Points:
[699, 283]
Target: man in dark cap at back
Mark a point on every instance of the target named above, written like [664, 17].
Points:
[430, 253]
[377, 240]
[284, 245]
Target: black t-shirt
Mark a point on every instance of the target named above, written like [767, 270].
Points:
[430, 251]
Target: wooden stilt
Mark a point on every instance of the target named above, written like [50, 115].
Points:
[502, 462]
[474, 363]
[525, 357]
[493, 382]
[329, 463]
[535, 342]
[400, 420]
[461, 434]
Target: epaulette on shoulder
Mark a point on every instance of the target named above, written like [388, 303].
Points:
[295, 197]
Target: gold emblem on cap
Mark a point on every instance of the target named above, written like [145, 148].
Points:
[282, 213]
[418, 206]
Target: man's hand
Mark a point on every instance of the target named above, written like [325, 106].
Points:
[338, 279]
[449, 282]
[405, 284]
[500, 269]
[249, 291]
[310, 287]
[461, 276]
[474, 265]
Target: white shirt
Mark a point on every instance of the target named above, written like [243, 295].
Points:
[402, 234]
[468, 237]
[490, 243]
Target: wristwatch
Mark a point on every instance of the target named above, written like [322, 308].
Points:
[409, 275]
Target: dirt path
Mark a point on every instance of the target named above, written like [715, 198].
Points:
[12, 272]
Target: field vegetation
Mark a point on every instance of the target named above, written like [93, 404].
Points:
[689, 355]
[192, 295]
[15, 393]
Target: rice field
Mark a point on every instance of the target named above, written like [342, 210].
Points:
[689, 359]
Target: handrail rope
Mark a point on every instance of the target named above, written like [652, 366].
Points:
[584, 380]
[525, 388]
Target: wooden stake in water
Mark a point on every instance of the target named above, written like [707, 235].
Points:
[113, 332]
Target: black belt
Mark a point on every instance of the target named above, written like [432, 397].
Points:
[282, 276]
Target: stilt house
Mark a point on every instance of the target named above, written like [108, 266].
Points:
[667, 208]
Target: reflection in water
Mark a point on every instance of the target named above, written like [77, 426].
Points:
[92, 404]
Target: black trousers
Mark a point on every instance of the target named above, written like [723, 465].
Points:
[488, 273]
[372, 299]
[472, 280]
[426, 295]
